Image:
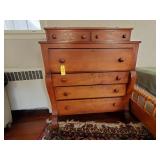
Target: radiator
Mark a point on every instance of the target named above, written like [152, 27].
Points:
[26, 89]
[23, 75]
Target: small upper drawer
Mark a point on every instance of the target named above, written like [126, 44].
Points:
[111, 35]
[59, 36]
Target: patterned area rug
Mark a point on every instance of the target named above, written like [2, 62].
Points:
[76, 130]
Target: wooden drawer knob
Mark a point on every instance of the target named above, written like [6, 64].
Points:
[118, 78]
[83, 36]
[54, 36]
[116, 90]
[65, 94]
[63, 79]
[121, 60]
[124, 36]
[66, 107]
[114, 104]
[62, 60]
[96, 37]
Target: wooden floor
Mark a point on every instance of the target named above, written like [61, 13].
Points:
[29, 125]
[26, 125]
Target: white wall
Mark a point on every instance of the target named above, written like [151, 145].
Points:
[22, 52]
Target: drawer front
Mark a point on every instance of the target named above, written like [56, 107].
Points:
[91, 60]
[71, 107]
[67, 36]
[111, 35]
[95, 91]
[90, 78]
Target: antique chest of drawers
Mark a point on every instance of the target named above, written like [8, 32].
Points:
[89, 70]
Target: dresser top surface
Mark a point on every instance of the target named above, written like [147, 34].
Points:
[86, 28]
[88, 35]
[126, 42]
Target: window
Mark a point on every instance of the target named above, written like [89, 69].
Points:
[22, 25]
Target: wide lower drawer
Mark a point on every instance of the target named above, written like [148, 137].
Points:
[70, 107]
[94, 91]
[91, 60]
[90, 78]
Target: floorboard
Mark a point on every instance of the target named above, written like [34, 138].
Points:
[30, 124]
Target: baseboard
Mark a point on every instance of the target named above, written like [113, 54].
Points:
[19, 113]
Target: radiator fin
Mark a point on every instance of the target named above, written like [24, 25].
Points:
[23, 75]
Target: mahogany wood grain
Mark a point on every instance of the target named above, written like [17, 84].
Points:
[111, 35]
[93, 91]
[130, 87]
[71, 107]
[63, 36]
[89, 45]
[48, 82]
[132, 81]
[90, 78]
[83, 34]
[91, 60]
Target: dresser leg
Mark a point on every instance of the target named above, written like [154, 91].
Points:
[55, 121]
[126, 108]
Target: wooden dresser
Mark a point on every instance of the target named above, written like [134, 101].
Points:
[89, 70]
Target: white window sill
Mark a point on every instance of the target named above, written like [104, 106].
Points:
[34, 34]
[23, 31]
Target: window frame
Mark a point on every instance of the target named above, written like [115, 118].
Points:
[43, 23]
[26, 34]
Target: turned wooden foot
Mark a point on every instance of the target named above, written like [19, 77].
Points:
[126, 107]
[55, 121]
